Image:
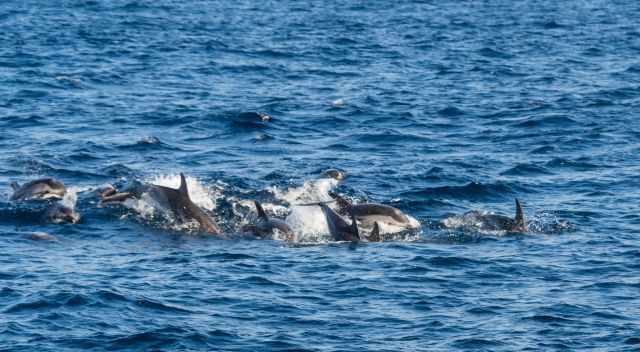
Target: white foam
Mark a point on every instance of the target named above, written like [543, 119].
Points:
[145, 206]
[308, 223]
[71, 196]
[338, 103]
[309, 192]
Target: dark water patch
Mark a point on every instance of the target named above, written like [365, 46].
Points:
[526, 170]
[447, 262]
[494, 54]
[543, 150]
[546, 121]
[47, 302]
[490, 310]
[158, 338]
[551, 24]
[476, 343]
[450, 111]
[632, 341]
[23, 121]
[149, 143]
[226, 257]
[389, 138]
[550, 319]
[471, 191]
[262, 281]
[580, 164]
[150, 304]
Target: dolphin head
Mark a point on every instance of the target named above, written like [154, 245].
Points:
[60, 214]
[334, 174]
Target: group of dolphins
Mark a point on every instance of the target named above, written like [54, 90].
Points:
[345, 220]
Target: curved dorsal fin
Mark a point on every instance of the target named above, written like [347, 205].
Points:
[354, 226]
[375, 233]
[183, 186]
[519, 219]
[261, 212]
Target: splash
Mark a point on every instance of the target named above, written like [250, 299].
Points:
[71, 196]
[549, 223]
[310, 191]
[338, 103]
[309, 224]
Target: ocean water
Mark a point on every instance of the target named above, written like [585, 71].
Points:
[434, 107]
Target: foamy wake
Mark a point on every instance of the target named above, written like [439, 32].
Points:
[309, 224]
[543, 222]
[71, 196]
[309, 192]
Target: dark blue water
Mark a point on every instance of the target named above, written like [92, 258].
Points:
[435, 107]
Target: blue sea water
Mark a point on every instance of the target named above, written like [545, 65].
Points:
[434, 107]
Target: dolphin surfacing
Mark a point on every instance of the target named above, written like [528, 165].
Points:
[339, 229]
[266, 226]
[489, 222]
[370, 213]
[44, 188]
[176, 200]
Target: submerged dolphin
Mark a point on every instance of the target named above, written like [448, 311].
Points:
[176, 200]
[491, 222]
[58, 214]
[265, 226]
[44, 188]
[339, 229]
[370, 213]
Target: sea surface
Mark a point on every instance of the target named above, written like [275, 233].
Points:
[434, 107]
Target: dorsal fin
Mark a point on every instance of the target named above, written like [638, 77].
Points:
[15, 185]
[261, 212]
[519, 219]
[354, 226]
[183, 186]
[375, 233]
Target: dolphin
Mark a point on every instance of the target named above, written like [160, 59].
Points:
[339, 229]
[369, 213]
[493, 222]
[59, 213]
[176, 200]
[44, 188]
[334, 174]
[42, 236]
[266, 226]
